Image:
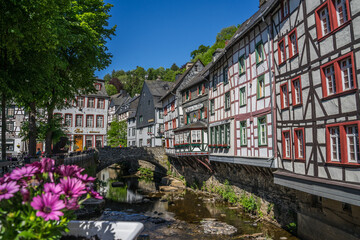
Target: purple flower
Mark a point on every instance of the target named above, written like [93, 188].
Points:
[72, 204]
[95, 194]
[7, 190]
[5, 178]
[48, 206]
[47, 164]
[25, 194]
[72, 187]
[20, 173]
[85, 178]
[52, 188]
[69, 170]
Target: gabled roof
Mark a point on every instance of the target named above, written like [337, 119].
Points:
[101, 92]
[180, 79]
[250, 23]
[126, 105]
[198, 78]
[133, 106]
[195, 125]
[157, 89]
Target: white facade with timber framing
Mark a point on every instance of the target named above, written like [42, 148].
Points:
[317, 79]
[240, 123]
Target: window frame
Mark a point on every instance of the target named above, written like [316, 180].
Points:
[225, 75]
[283, 16]
[82, 120]
[71, 120]
[282, 97]
[88, 101]
[212, 107]
[243, 142]
[260, 43]
[103, 119]
[227, 101]
[242, 96]
[290, 44]
[83, 102]
[242, 66]
[280, 59]
[338, 76]
[259, 79]
[283, 140]
[98, 103]
[342, 139]
[333, 19]
[266, 131]
[296, 145]
[293, 95]
[86, 120]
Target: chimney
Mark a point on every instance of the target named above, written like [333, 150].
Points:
[261, 2]
[216, 54]
[188, 65]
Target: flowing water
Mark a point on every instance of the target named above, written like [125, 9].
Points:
[177, 213]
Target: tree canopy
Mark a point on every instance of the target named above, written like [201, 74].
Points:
[117, 134]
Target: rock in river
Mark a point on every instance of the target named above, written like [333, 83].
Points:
[217, 228]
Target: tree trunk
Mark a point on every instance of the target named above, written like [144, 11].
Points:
[3, 127]
[32, 129]
[49, 132]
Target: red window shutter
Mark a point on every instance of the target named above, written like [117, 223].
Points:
[166, 126]
[165, 111]
[205, 109]
[185, 119]
[189, 94]
[199, 114]
[203, 88]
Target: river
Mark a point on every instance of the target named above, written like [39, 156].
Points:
[177, 213]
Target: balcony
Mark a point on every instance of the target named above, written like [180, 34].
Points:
[191, 149]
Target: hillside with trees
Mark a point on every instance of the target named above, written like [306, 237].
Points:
[132, 80]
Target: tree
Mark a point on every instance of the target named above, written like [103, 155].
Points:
[110, 89]
[117, 134]
[201, 49]
[118, 85]
[174, 67]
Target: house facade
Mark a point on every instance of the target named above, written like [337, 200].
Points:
[131, 121]
[85, 121]
[116, 104]
[191, 139]
[171, 102]
[241, 113]
[317, 98]
[149, 113]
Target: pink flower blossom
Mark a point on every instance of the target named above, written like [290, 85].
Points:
[95, 194]
[7, 190]
[25, 194]
[47, 164]
[52, 188]
[48, 206]
[23, 172]
[72, 187]
[5, 178]
[85, 178]
[72, 204]
[69, 170]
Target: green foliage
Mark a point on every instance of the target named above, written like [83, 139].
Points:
[174, 67]
[110, 89]
[201, 49]
[118, 194]
[292, 227]
[146, 173]
[270, 208]
[117, 134]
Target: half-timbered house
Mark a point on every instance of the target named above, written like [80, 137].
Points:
[171, 101]
[316, 53]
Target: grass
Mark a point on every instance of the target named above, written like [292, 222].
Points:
[146, 174]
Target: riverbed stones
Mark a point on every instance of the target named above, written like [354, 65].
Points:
[217, 228]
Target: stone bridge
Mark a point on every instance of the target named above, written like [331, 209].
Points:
[132, 155]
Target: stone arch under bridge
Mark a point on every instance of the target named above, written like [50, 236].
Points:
[132, 155]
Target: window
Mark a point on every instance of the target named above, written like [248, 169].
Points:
[285, 9]
[68, 120]
[172, 106]
[161, 114]
[161, 128]
[262, 133]
[133, 131]
[129, 132]
[260, 87]
[99, 121]
[88, 141]
[212, 106]
[10, 126]
[286, 144]
[227, 101]
[243, 137]
[296, 91]
[214, 83]
[91, 103]
[338, 76]
[140, 130]
[186, 137]
[293, 44]
[174, 123]
[241, 65]
[331, 15]
[10, 112]
[242, 96]
[284, 95]
[98, 86]
[79, 121]
[281, 51]
[188, 95]
[299, 143]
[222, 135]
[342, 143]
[57, 115]
[225, 75]
[259, 52]
[101, 103]
[149, 129]
[203, 88]
[89, 121]
[141, 119]
[98, 141]
[196, 136]
[140, 142]
[80, 102]
[227, 134]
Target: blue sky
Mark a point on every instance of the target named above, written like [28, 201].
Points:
[155, 33]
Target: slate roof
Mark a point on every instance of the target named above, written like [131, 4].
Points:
[126, 105]
[133, 106]
[179, 80]
[157, 89]
[119, 98]
[195, 125]
[101, 92]
[198, 78]
[248, 24]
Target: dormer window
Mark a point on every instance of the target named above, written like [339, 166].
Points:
[98, 86]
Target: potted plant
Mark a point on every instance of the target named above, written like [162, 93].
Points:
[38, 200]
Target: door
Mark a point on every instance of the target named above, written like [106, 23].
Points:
[78, 141]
